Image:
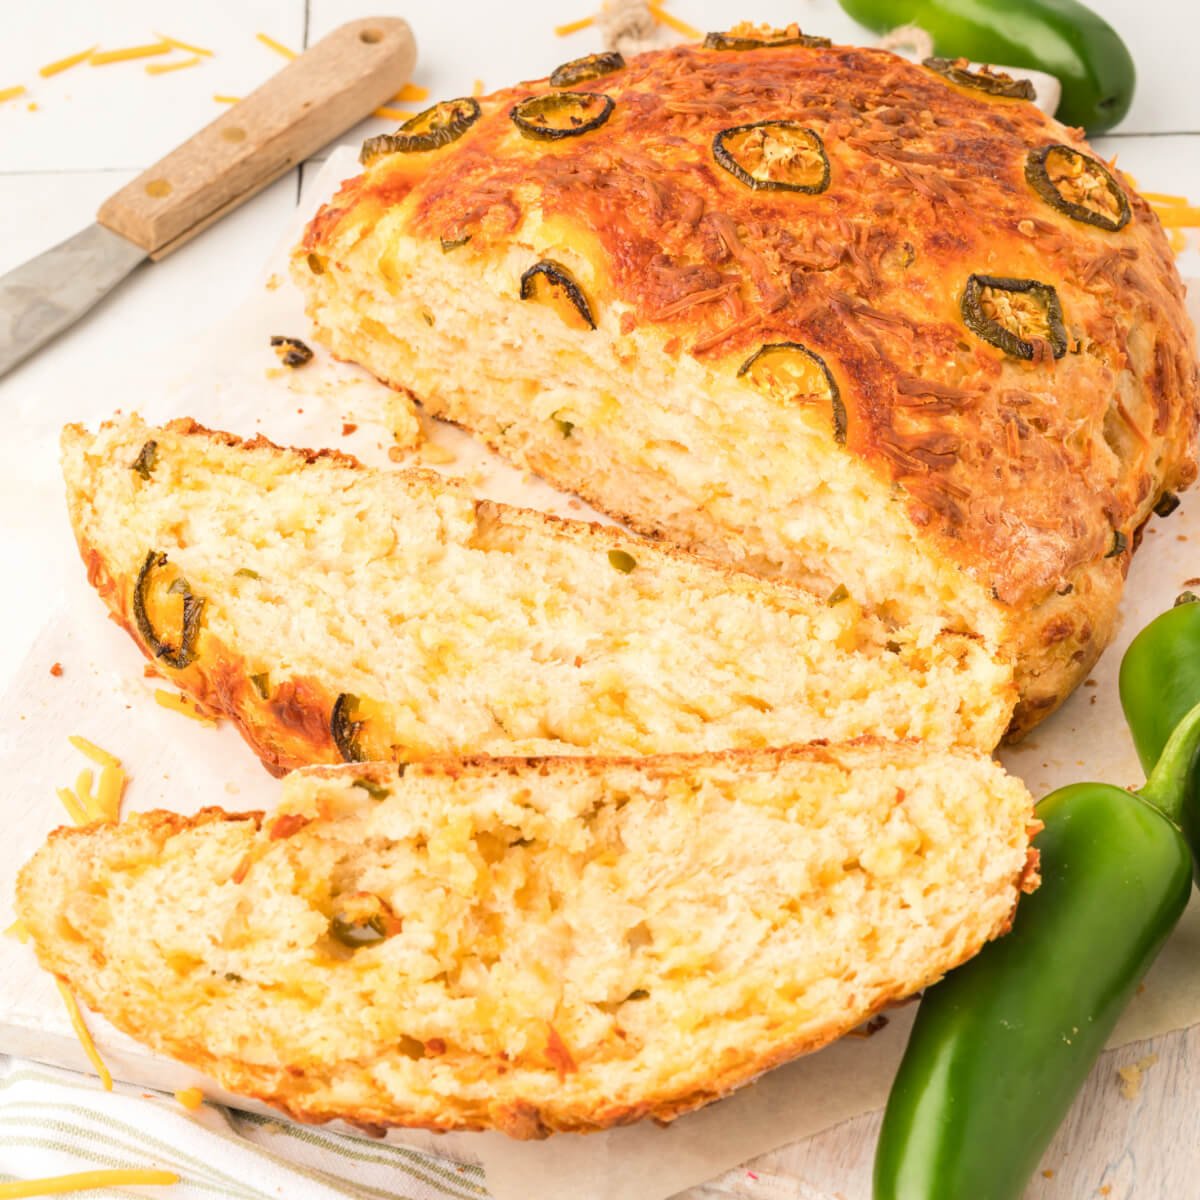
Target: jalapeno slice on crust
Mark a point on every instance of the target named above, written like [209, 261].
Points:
[1014, 314]
[1077, 186]
[791, 372]
[561, 114]
[757, 39]
[779, 156]
[146, 460]
[591, 66]
[1120, 543]
[551, 283]
[346, 729]
[362, 919]
[432, 129]
[151, 591]
[994, 83]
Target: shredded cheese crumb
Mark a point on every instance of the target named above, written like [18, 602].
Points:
[65, 64]
[101, 58]
[1131, 1076]
[184, 45]
[181, 704]
[663, 17]
[477, 90]
[95, 753]
[163, 68]
[18, 930]
[272, 44]
[82, 1181]
[1182, 216]
[12, 93]
[83, 793]
[574, 26]
[71, 803]
[191, 1098]
[220, 99]
[1161, 198]
[410, 92]
[393, 114]
[85, 1038]
[109, 793]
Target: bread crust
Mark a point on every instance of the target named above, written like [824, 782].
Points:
[72, 855]
[1021, 474]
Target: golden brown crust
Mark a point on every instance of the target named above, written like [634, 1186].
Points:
[1019, 472]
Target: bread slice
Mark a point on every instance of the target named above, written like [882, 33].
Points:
[341, 613]
[542, 945]
[892, 449]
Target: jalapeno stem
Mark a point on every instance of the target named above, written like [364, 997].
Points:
[1170, 780]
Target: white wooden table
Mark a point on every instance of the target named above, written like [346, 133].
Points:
[94, 128]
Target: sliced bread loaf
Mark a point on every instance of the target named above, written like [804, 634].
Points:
[534, 945]
[337, 612]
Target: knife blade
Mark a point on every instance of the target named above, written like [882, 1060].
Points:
[314, 99]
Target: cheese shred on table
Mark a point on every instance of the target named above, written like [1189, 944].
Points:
[65, 64]
[97, 754]
[184, 45]
[12, 93]
[574, 26]
[85, 1038]
[82, 1181]
[272, 44]
[181, 704]
[393, 114]
[163, 68]
[672, 22]
[102, 58]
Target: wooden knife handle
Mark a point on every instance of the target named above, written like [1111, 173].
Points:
[318, 96]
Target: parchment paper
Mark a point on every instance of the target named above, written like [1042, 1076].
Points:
[229, 379]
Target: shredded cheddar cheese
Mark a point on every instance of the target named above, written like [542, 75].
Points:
[220, 99]
[191, 1098]
[90, 750]
[109, 793]
[83, 793]
[85, 1038]
[1176, 240]
[65, 64]
[393, 114]
[574, 26]
[102, 58]
[477, 90]
[12, 93]
[672, 22]
[163, 68]
[410, 92]
[82, 1181]
[1181, 216]
[18, 930]
[272, 44]
[184, 45]
[181, 704]
[1160, 198]
[71, 803]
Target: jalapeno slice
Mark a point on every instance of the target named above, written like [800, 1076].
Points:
[1077, 186]
[551, 283]
[292, 352]
[757, 39]
[591, 66]
[994, 83]
[363, 919]
[146, 460]
[150, 591]
[792, 372]
[1014, 314]
[432, 129]
[346, 729]
[561, 114]
[781, 156]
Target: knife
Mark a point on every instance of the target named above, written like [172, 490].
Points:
[318, 96]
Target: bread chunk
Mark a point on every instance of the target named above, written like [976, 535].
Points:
[534, 945]
[339, 613]
[982, 376]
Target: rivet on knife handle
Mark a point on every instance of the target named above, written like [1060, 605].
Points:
[305, 106]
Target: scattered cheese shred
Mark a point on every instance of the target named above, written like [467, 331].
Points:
[1181, 216]
[83, 793]
[181, 704]
[82, 1181]
[672, 22]
[1160, 198]
[393, 114]
[191, 1098]
[72, 805]
[272, 44]
[101, 58]
[1176, 240]
[85, 1038]
[12, 93]
[184, 45]
[220, 99]
[17, 930]
[95, 753]
[109, 793]
[410, 92]
[574, 26]
[477, 90]
[65, 64]
[182, 65]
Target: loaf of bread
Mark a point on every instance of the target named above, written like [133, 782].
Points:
[338, 613]
[534, 945]
[809, 308]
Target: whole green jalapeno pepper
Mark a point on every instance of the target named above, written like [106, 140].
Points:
[1001, 1046]
[1061, 37]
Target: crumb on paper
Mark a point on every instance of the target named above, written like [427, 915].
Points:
[431, 452]
[1131, 1076]
[1048, 1173]
[1090, 683]
[869, 1028]
[348, 427]
[400, 416]
[232, 788]
[274, 372]
[56, 669]
[1106, 1189]
[150, 671]
[292, 352]
[397, 454]
[273, 283]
